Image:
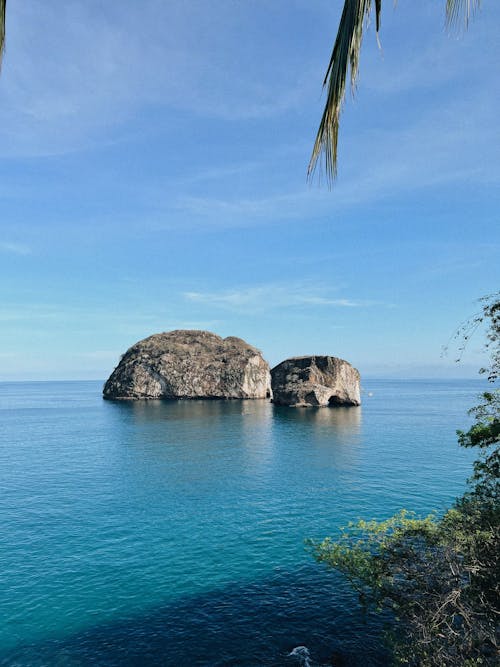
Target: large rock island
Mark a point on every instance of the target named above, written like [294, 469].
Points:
[315, 381]
[190, 364]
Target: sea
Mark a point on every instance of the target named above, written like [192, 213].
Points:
[174, 532]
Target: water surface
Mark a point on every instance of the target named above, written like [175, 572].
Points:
[172, 533]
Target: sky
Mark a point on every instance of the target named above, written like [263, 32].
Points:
[153, 163]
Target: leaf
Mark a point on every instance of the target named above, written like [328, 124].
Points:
[3, 4]
[456, 9]
[345, 57]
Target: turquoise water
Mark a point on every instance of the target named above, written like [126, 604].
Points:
[172, 533]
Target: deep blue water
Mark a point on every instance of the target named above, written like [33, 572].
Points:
[172, 533]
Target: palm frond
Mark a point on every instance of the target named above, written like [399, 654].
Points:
[345, 55]
[378, 9]
[458, 10]
[3, 4]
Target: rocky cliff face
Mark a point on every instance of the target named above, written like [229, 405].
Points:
[315, 381]
[190, 364]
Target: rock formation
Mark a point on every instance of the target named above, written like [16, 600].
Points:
[315, 381]
[190, 364]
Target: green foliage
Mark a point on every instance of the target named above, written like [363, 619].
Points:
[438, 578]
[485, 434]
[488, 315]
[364, 550]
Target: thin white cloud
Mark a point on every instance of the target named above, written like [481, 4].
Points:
[271, 297]
[15, 248]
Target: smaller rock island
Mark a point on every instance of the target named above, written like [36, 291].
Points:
[190, 364]
[315, 381]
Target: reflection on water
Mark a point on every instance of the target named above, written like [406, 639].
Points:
[257, 434]
[160, 410]
[331, 437]
[163, 410]
[256, 427]
[342, 421]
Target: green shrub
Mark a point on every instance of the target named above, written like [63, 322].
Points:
[438, 578]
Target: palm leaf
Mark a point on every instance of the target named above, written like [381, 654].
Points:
[456, 9]
[345, 56]
[3, 4]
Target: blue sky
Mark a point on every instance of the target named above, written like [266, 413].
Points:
[152, 176]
